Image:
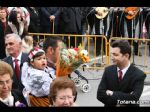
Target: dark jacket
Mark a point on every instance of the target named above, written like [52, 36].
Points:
[46, 24]
[131, 27]
[18, 96]
[129, 89]
[147, 22]
[104, 26]
[70, 20]
[2, 42]
[34, 26]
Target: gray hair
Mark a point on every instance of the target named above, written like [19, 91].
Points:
[17, 37]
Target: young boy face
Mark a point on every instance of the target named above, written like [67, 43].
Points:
[39, 62]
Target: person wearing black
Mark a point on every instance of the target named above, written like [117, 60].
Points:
[122, 83]
[70, 23]
[146, 12]
[48, 16]
[34, 26]
[131, 24]
[3, 24]
[116, 21]
[102, 24]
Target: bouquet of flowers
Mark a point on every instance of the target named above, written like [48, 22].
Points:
[70, 59]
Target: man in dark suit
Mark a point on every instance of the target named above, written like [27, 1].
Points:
[125, 87]
[100, 20]
[146, 13]
[14, 49]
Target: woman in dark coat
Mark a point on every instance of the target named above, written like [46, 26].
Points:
[3, 24]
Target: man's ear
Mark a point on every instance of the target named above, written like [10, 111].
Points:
[20, 43]
[127, 55]
[32, 63]
[50, 50]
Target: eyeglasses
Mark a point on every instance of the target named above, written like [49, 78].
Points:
[2, 83]
[63, 98]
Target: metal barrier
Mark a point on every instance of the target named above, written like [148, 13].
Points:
[97, 62]
[103, 60]
[142, 62]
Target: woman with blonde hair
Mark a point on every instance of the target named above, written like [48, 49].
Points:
[27, 44]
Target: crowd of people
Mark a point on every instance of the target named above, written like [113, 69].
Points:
[27, 72]
[132, 22]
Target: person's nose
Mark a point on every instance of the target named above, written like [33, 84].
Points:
[44, 60]
[5, 85]
[7, 46]
[66, 101]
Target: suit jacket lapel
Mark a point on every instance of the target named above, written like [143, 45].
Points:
[115, 77]
[10, 60]
[23, 59]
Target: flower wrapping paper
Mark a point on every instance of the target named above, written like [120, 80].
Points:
[70, 59]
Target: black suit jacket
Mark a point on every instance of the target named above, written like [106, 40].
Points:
[17, 83]
[17, 97]
[129, 89]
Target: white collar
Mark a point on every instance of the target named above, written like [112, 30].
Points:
[9, 100]
[19, 57]
[124, 70]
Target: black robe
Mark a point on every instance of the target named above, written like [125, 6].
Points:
[2, 42]
[132, 28]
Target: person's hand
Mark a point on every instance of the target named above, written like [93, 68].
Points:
[109, 92]
[52, 18]
[24, 21]
[19, 104]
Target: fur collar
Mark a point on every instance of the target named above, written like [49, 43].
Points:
[14, 29]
